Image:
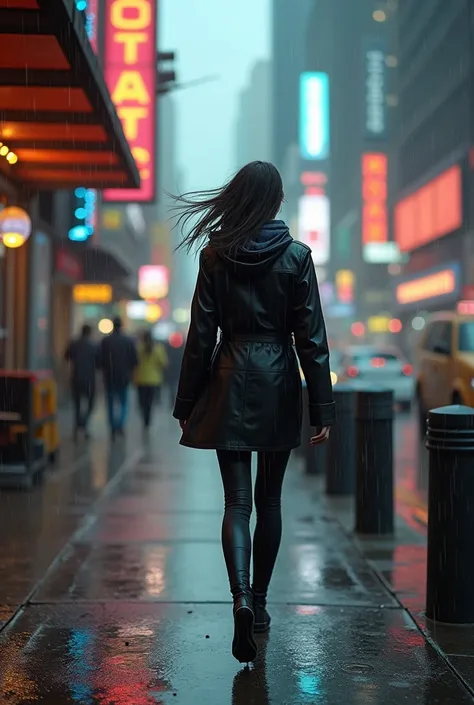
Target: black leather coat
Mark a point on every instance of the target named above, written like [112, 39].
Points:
[243, 391]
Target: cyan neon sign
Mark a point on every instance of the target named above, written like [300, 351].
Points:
[314, 116]
[84, 214]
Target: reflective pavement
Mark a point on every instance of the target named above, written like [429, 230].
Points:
[114, 581]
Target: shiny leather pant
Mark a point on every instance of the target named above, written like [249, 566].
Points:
[236, 474]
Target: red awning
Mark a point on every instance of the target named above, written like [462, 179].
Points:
[56, 115]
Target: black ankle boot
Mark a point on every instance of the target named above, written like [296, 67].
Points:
[244, 648]
[262, 618]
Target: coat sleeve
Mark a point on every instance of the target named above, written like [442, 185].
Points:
[200, 345]
[312, 346]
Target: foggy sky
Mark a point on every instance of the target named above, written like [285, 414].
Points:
[212, 37]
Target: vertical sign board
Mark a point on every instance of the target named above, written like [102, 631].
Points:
[374, 199]
[130, 73]
[92, 10]
[375, 90]
[314, 116]
[92, 19]
[314, 225]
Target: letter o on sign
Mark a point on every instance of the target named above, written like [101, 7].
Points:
[131, 14]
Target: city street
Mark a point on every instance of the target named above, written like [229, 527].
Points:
[116, 592]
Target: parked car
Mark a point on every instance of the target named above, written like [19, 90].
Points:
[380, 365]
[445, 364]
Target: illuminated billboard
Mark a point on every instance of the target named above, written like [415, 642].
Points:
[438, 283]
[92, 293]
[374, 199]
[153, 282]
[130, 72]
[314, 116]
[432, 211]
[375, 90]
[314, 225]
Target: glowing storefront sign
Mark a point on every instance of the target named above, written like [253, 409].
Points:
[434, 210]
[130, 72]
[441, 283]
[314, 116]
[153, 282]
[136, 310]
[314, 226]
[345, 283]
[374, 199]
[92, 293]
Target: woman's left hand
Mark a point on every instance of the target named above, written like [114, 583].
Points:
[182, 424]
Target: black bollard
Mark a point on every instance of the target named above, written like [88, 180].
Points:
[450, 571]
[313, 457]
[341, 452]
[374, 462]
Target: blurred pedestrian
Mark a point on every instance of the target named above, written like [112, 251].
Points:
[81, 353]
[258, 286]
[118, 359]
[149, 375]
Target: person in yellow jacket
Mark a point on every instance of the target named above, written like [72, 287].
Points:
[149, 374]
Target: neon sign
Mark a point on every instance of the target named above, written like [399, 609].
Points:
[375, 82]
[430, 212]
[91, 11]
[345, 283]
[437, 284]
[314, 116]
[84, 214]
[374, 199]
[153, 282]
[130, 72]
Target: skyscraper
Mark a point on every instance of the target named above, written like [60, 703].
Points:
[254, 117]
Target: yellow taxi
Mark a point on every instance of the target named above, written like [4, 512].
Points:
[445, 369]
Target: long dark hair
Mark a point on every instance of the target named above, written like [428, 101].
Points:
[230, 216]
[148, 342]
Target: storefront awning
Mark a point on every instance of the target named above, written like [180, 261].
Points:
[56, 115]
[103, 264]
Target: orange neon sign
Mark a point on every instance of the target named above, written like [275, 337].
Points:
[374, 198]
[432, 211]
[428, 287]
[130, 72]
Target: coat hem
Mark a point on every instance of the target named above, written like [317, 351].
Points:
[254, 449]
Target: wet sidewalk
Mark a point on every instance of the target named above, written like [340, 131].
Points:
[135, 608]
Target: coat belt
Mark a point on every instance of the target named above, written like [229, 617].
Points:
[276, 338]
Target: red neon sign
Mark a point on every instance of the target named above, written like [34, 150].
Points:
[431, 212]
[374, 198]
[130, 72]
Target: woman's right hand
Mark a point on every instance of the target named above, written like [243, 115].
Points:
[322, 435]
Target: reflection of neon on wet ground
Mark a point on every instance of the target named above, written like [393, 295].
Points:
[309, 685]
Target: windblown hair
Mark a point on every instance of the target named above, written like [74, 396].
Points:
[230, 216]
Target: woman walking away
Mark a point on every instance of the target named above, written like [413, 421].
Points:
[149, 374]
[258, 286]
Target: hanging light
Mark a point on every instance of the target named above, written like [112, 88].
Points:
[15, 226]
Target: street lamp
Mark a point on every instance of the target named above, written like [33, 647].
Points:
[15, 226]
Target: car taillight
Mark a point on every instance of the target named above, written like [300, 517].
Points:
[407, 370]
[352, 371]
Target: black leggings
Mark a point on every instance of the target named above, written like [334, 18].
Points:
[236, 474]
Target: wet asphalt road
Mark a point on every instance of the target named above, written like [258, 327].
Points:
[136, 610]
